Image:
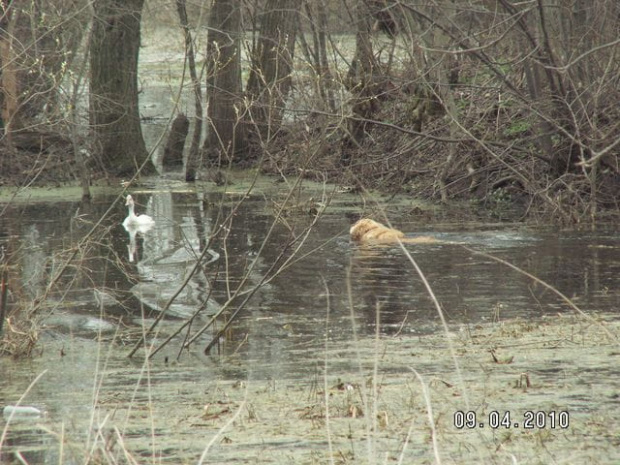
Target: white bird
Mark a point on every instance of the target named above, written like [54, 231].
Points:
[136, 221]
[135, 224]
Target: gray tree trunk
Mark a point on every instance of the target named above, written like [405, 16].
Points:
[191, 166]
[272, 62]
[173, 151]
[226, 137]
[114, 115]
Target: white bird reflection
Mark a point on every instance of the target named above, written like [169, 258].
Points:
[133, 230]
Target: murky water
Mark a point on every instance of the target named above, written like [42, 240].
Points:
[307, 289]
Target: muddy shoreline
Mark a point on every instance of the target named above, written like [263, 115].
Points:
[564, 370]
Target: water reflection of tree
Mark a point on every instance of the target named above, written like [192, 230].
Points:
[383, 282]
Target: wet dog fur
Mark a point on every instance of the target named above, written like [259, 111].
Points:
[367, 231]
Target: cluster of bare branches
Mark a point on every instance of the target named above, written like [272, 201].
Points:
[544, 76]
[491, 100]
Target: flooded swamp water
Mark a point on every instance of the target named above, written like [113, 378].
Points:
[338, 356]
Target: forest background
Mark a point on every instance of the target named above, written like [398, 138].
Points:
[496, 102]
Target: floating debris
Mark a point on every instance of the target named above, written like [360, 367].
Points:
[21, 412]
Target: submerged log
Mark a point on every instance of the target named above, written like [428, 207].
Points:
[173, 152]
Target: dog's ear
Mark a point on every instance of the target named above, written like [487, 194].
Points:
[357, 231]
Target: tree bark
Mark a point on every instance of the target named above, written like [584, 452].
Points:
[9, 79]
[325, 83]
[173, 152]
[191, 166]
[226, 137]
[362, 82]
[272, 62]
[114, 115]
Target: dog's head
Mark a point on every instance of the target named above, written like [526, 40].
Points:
[359, 229]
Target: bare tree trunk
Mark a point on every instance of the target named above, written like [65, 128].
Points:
[226, 137]
[114, 115]
[364, 65]
[78, 154]
[193, 156]
[362, 81]
[173, 151]
[325, 83]
[270, 77]
[10, 91]
[9, 78]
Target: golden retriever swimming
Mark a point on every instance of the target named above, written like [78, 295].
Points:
[367, 231]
